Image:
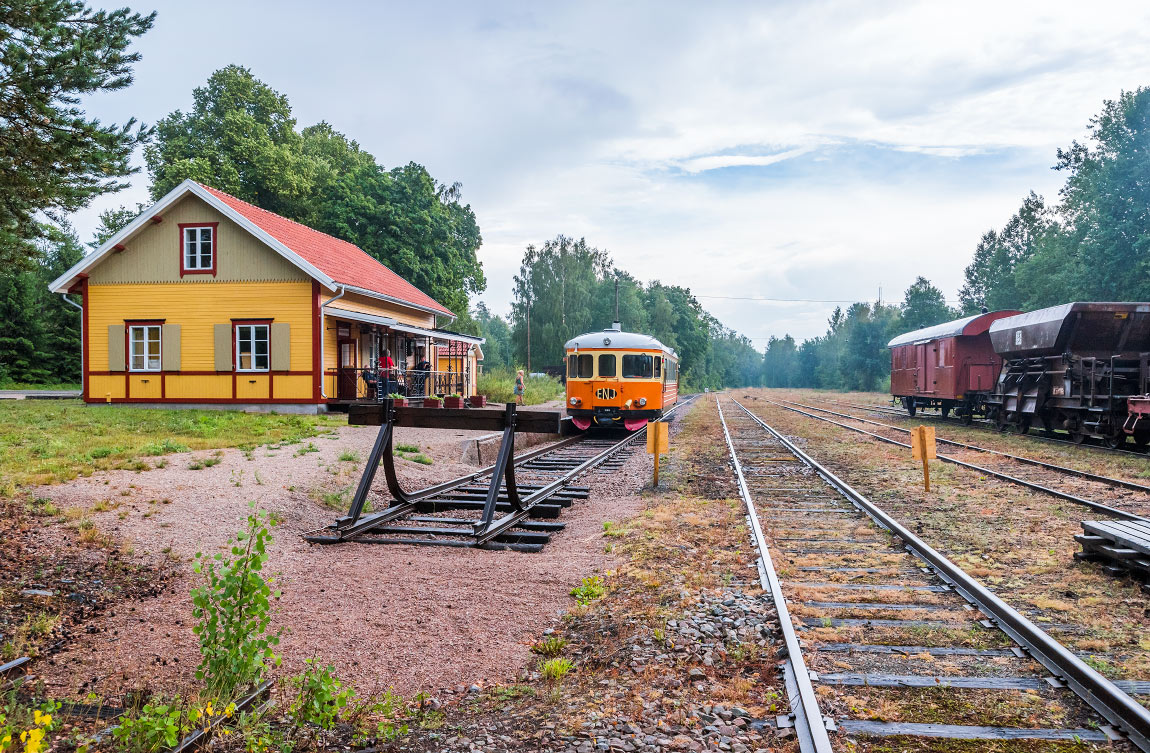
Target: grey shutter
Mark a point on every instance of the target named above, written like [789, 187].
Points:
[223, 347]
[116, 355]
[170, 347]
[280, 345]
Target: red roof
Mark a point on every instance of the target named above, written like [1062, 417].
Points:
[343, 262]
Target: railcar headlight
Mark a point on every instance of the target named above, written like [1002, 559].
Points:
[575, 401]
[642, 401]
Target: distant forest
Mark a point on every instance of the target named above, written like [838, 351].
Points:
[1093, 244]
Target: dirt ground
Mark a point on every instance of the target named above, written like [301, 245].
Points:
[411, 618]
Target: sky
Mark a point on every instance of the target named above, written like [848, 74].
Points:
[791, 150]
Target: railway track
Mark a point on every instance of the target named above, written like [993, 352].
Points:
[446, 514]
[1049, 478]
[867, 609]
[990, 426]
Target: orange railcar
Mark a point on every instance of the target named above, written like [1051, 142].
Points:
[616, 377]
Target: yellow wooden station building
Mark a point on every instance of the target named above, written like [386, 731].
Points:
[206, 300]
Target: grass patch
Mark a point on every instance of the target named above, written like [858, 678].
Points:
[499, 387]
[589, 590]
[349, 456]
[421, 459]
[51, 441]
[406, 448]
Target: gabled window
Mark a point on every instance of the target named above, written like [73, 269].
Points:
[198, 248]
[144, 347]
[252, 347]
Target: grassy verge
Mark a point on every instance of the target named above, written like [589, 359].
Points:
[499, 387]
[57, 386]
[46, 442]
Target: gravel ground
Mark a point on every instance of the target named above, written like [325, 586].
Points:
[411, 618]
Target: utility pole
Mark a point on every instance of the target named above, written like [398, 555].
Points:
[528, 335]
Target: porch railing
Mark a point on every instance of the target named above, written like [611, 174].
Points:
[376, 384]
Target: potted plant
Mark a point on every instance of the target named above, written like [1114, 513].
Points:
[478, 401]
[454, 400]
[432, 401]
[399, 400]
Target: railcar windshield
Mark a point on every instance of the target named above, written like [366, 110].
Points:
[607, 365]
[580, 366]
[637, 366]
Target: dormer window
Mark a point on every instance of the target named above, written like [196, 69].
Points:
[198, 248]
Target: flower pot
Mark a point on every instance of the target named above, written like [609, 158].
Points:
[399, 402]
[431, 402]
[452, 402]
[478, 401]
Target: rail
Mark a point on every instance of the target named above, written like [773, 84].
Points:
[804, 704]
[1111, 703]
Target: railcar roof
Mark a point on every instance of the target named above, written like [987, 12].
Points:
[969, 325]
[1080, 326]
[613, 338]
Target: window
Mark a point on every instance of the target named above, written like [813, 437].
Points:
[198, 249]
[251, 347]
[637, 366]
[658, 367]
[586, 368]
[607, 365]
[144, 342]
[572, 367]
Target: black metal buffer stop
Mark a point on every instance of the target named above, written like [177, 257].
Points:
[510, 516]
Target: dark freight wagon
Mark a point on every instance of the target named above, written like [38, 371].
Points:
[1077, 367]
[950, 366]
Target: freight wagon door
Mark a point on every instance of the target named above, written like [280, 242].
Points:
[924, 371]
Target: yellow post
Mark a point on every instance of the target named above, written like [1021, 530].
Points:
[657, 443]
[922, 447]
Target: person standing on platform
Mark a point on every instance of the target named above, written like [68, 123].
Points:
[520, 387]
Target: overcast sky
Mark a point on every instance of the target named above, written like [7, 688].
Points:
[805, 150]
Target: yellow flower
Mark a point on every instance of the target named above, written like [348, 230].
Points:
[33, 740]
[208, 709]
[231, 709]
[41, 719]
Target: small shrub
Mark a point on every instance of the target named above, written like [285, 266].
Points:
[550, 646]
[28, 726]
[165, 447]
[406, 448]
[320, 697]
[155, 727]
[100, 452]
[232, 610]
[589, 590]
[554, 670]
[349, 456]
[309, 447]
[421, 459]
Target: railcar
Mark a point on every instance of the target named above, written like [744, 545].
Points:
[619, 378]
[1081, 367]
[950, 366]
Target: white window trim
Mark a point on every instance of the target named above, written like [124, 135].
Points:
[132, 344]
[236, 335]
[212, 256]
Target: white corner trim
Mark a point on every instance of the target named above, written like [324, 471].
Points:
[63, 282]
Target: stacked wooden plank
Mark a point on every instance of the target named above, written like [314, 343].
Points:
[1122, 545]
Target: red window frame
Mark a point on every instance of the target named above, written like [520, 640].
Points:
[215, 226]
[236, 356]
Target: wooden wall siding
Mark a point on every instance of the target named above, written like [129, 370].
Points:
[197, 310]
[365, 305]
[153, 253]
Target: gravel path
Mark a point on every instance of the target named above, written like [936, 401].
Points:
[411, 618]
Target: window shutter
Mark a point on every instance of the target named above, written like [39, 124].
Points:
[116, 355]
[223, 347]
[280, 346]
[170, 342]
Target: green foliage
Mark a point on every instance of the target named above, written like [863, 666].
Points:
[164, 447]
[406, 448]
[320, 696]
[499, 387]
[550, 646]
[157, 726]
[924, 305]
[54, 159]
[26, 726]
[1093, 245]
[240, 136]
[233, 612]
[589, 590]
[554, 670]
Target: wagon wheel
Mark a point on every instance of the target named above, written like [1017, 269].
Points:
[967, 417]
[1116, 441]
[1000, 421]
[910, 406]
[1142, 438]
[1078, 437]
[945, 411]
[1022, 426]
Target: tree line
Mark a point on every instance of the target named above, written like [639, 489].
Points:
[566, 287]
[239, 136]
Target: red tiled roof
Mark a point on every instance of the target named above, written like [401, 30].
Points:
[343, 262]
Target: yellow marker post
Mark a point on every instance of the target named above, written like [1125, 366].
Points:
[922, 447]
[657, 443]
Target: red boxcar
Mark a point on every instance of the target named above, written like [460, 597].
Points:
[949, 366]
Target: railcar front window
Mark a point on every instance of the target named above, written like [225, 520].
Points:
[607, 365]
[586, 367]
[637, 366]
[573, 367]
